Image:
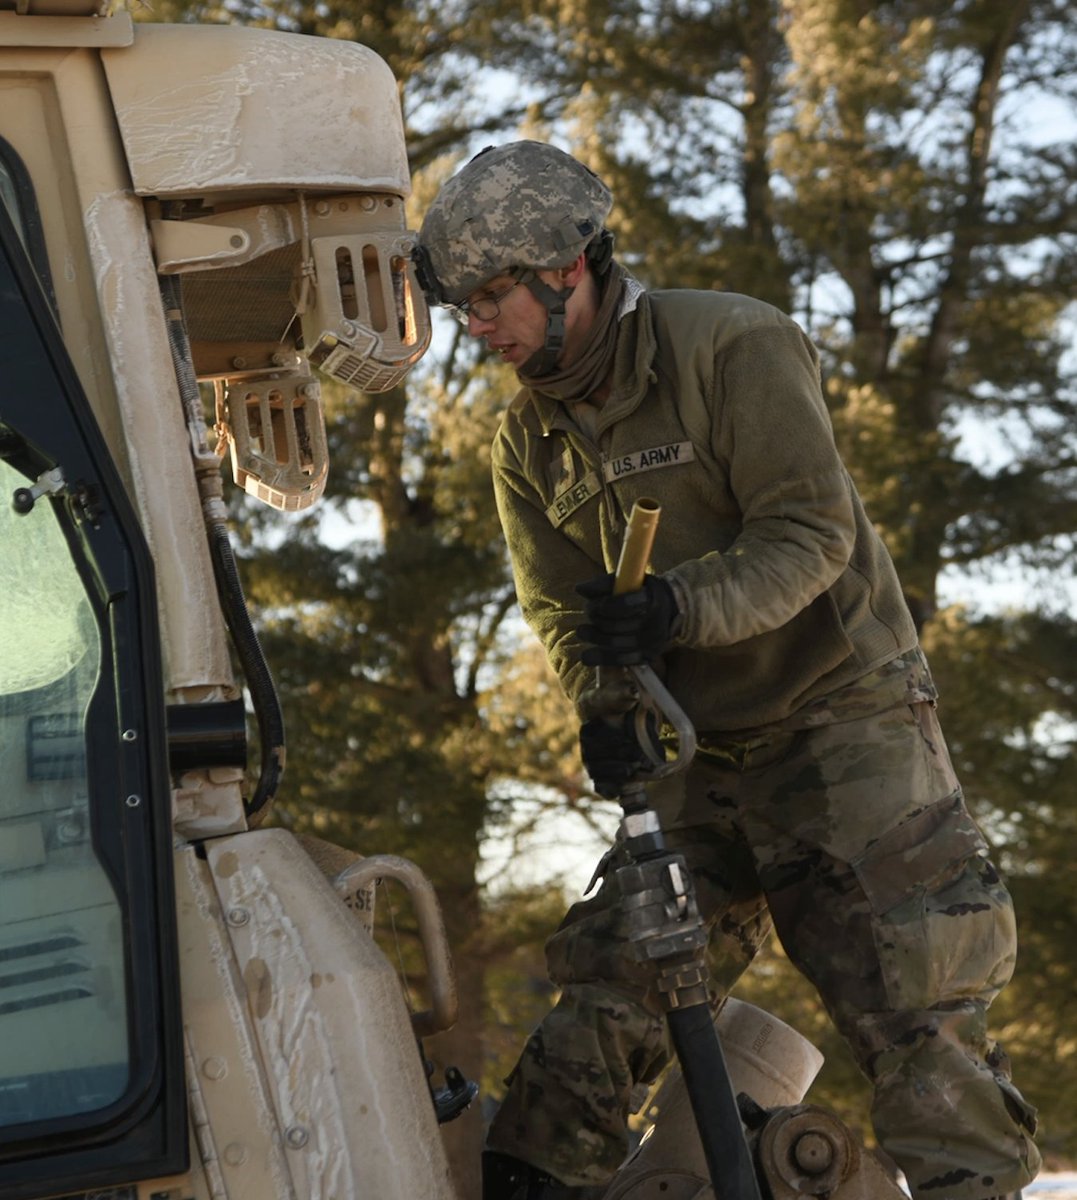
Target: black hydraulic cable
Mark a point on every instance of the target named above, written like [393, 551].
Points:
[267, 709]
[710, 1092]
[252, 660]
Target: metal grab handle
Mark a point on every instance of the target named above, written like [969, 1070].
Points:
[441, 977]
[652, 688]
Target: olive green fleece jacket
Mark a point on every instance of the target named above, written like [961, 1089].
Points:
[786, 592]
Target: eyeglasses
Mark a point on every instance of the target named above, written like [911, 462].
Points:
[484, 308]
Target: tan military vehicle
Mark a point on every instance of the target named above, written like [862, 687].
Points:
[184, 999]
[193, 1007]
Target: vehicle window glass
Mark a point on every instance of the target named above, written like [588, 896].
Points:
[63, 1015]
[9, 198]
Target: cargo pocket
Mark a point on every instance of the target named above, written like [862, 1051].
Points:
[942, 920]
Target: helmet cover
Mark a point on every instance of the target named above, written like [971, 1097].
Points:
[523, 204]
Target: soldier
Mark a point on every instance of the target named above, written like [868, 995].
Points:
[822, 799]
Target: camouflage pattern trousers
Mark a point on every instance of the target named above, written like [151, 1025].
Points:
[853, 840]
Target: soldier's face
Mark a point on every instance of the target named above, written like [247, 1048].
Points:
[519, 328]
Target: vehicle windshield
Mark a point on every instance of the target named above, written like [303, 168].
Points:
[63, 1014]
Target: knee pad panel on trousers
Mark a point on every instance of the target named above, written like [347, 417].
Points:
[945, 1108]
[942, 920]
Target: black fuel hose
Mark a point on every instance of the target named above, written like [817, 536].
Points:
[252, 660]
[706, 1079]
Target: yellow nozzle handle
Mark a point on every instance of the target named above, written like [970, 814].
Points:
[631, 569]
[636, 547]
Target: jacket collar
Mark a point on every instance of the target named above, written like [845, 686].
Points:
[632, 370]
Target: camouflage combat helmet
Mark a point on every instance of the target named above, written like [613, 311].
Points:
[514, 209]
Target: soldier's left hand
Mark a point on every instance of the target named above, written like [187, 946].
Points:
[613, 753]
[626, 630]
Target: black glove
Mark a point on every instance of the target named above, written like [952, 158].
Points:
[626, 630]
[612, 754]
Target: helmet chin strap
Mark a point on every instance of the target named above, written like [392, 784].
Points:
[545, 360]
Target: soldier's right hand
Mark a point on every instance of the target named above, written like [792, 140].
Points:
[627, 629]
